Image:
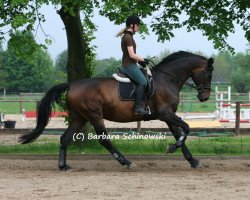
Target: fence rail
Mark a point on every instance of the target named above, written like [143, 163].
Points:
[14, 104]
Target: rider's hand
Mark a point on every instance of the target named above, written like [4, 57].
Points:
[142, 63]
[146, 61]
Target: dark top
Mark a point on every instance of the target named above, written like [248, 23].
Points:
[127, 40]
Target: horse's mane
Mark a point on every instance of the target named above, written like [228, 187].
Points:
[176, 56]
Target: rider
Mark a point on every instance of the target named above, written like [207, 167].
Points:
[130, 60]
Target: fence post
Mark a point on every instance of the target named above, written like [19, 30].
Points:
[21, 103]
[4, 94]
[237, 118]
[229, 94]
[139, 127]
[216, 97]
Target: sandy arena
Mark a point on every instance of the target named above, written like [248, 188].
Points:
[38, 177]
[102, 178]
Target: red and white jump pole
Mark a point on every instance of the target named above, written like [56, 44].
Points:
[229, 114]
[233, 104]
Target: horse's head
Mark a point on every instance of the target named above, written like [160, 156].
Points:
[202, 78]
[179, 66]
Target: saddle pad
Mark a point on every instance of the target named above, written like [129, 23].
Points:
[126, 91]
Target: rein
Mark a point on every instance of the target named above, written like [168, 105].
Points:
[186, 83]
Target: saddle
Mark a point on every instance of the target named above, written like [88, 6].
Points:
[127, 87]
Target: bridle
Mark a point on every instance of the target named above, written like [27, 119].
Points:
[200, 88]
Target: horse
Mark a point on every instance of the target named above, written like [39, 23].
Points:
[96, 99]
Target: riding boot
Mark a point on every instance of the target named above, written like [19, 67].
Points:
[139, 110]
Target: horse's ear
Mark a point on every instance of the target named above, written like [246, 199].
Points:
[210, 61]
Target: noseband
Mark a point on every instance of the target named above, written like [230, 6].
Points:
[200, 87]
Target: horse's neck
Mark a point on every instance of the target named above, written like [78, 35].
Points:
[175, 75]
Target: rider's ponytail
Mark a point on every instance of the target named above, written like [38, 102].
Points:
[121, 32]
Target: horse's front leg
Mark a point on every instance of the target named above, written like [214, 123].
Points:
[186, 153]
[173, 120]
[102, 133]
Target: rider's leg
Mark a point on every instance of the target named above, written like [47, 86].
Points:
[139, 109]
[136, 74]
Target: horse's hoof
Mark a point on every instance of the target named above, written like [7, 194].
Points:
[131, 166]
[195, 164]
[64, 168]
[171, 148]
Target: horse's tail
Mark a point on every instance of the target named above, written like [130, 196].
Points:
[44, 110]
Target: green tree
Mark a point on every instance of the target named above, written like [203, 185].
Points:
[23, 14]
[34, 75]
[61, 61]
[106, 67]
[241, 81]
[215, 18]
[240, 72]
[61, 67]
[222, 68]
[242, 61]
[2, 73]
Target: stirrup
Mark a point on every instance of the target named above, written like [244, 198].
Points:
[142, 111]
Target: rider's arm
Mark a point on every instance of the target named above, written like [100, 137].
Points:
[133, 55]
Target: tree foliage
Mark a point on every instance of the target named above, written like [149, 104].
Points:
[2, 73]
[32, 75]
[106, 67]
[240, 74]
[61, 61]
[241, 81]
[233, 69]
[22, 15]
[215, 18]
[61, 67]
[22, 76]
[222, 68]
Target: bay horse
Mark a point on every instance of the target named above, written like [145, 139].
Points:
[96, 99]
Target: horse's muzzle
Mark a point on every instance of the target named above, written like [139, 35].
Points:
[202, 97]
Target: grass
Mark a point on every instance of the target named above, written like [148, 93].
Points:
[225, 145]
[14, 107]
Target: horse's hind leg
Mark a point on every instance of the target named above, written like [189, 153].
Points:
[102, 133]
[74, 127]
[186, 153]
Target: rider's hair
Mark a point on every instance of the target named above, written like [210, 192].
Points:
[121, 32]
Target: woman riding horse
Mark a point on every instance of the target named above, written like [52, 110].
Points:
[130, 59]
[96, 99]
